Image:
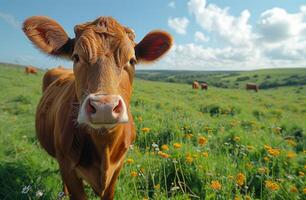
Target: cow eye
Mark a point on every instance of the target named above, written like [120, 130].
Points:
[76, 58]
[133, 61]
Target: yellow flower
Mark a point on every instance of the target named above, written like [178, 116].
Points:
[237, 198]
[145, 198]
[163, 155]
[202, 140]
[277, 130]
[189, 136]
[249, 165]
[301, 174]
[134, 174]
[236, 139]
[262, 170]
[304, 151]
[177, 145]
[240, 179]
[189, 158]
[291, 155]
[267, 147]
[140, 118]
[205, 154]
[235, 123]
[266, 159]
[129, 160]
[291, 142]
[293, 189]
[250, 148]
[145, 130]
[272, 151]
[304, 190]
[271, 185]
[215, 185]
[165, 147]
[157, 186]
[247, 197]
[304, 166]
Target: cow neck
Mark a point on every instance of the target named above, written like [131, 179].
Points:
[111, 145]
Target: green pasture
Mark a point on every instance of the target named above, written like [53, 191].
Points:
[191, 144]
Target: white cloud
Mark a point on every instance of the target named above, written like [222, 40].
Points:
[282, 35]
[200, 37]
[277, 25]
[278, 39]
[232, 30]
[178, 24]
[171, 4]
[10, 19]
[197, 57]
[194, 56]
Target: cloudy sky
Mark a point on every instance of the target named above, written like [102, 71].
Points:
[208, 34]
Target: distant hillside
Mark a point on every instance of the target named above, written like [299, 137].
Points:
[266, 78]
[10, 65]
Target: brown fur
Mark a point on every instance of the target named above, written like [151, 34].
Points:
[103, 52]
[30, 70]
[252, 86]
[195, 85]
[204, 86]
[53, 74]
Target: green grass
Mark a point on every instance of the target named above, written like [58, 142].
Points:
[236, 123]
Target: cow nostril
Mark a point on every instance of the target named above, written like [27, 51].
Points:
[117, 108]
[90, 108]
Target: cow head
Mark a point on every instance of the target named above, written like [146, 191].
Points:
[104, 55]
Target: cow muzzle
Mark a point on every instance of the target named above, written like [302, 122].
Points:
[103, 111]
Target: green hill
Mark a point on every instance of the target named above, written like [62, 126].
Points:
[191, 144]
[266, 78]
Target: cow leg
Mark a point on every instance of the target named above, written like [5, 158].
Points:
[73, 184]
[110, 191]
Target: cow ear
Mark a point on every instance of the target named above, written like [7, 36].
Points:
[153, 46]
[48, 36]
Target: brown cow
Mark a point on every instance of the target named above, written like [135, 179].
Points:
[53, 74]
[83, 118]
[204, 86]
[195, 85]
[252, 86]
[30, 70]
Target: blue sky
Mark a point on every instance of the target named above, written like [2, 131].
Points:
[208, 34]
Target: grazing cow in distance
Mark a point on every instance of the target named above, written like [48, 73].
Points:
[195, 85]
[83, 118]
[30, 70]
[252, 86]
[53, 74]
[204, 86]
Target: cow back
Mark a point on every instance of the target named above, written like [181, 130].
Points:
[60, 92]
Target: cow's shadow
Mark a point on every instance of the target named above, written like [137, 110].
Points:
[20, 181]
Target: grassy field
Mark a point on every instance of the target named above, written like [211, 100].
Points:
[267, 78]
[191, 144]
